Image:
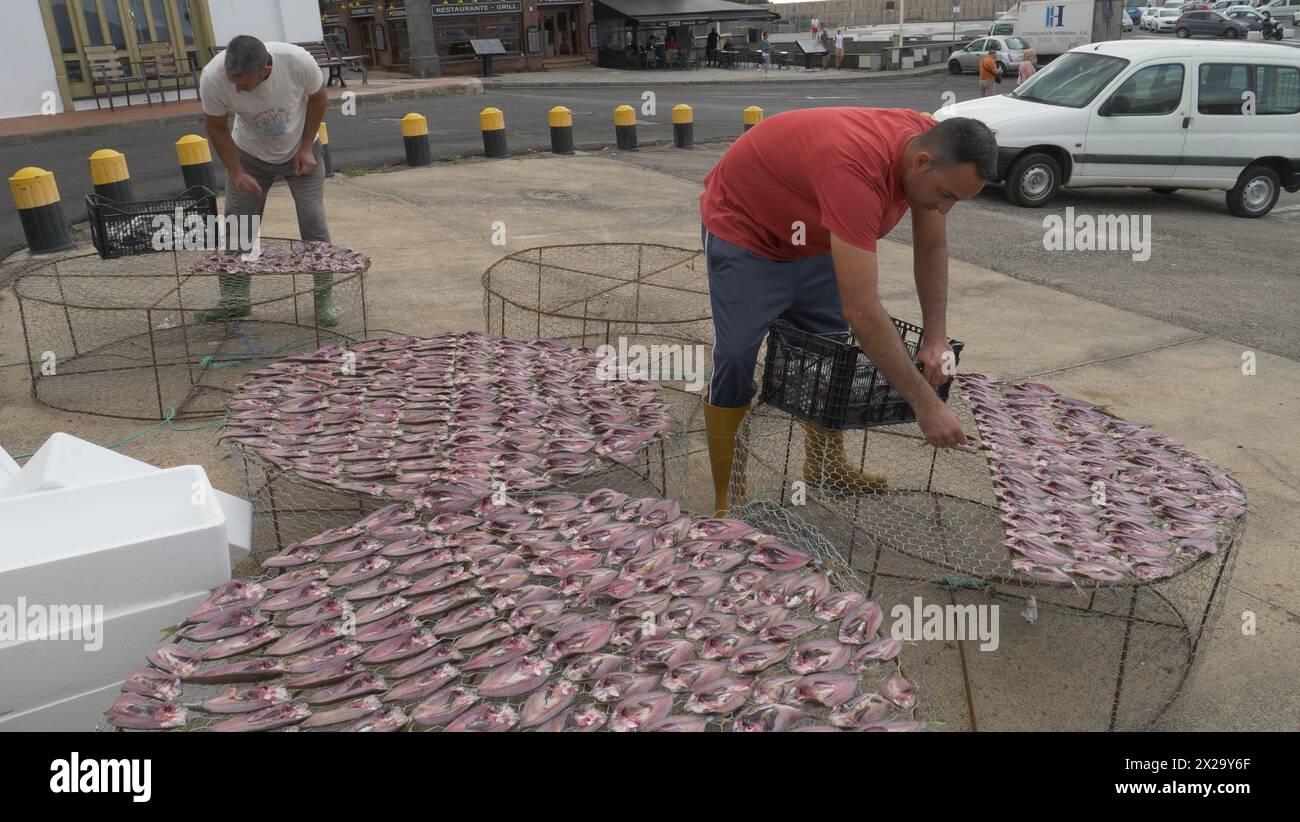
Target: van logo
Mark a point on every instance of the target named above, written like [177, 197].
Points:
[1055, 16]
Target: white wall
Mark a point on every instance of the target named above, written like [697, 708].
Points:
[288, 21]
[26, 63]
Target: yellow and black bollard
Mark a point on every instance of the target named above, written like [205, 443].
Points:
[37, 197]
[324, 133]
[625, 127]
[195, 156]
[493, 124]
[561, 120]
[683, 126]
[753, 116]
[110, 176]
[415, 133]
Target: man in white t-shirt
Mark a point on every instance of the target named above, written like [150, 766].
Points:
[816, 26]
[277, 94]
[839, 48]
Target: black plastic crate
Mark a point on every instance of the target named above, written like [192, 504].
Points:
[827, 380]
[119, 229]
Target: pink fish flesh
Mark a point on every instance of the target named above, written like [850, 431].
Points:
[592, 666]
[860, 625]
[818, 656]
[322, 658]
[491, 718]
[232, 646]
[401, 646]
[690, 674]
[359, 685]
[347, 712]
[153, 683]
[248, 670]
[245, 700]
[266, 719]
[617, 686]
[768, 718]
[758, 657]
[639, 710]
[138, 713]
[721, 696]
[237, 622]
[546, 703]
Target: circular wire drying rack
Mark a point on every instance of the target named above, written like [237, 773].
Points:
[121, 338]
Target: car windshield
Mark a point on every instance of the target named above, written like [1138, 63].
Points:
[1071, 80]
[1016, 43]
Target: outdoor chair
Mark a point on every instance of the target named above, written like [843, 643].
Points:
[106, 71]
[160, 64]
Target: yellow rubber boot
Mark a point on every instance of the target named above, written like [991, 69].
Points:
[721, 424]
[827, 466]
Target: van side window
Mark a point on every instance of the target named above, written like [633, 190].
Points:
[1153, 90]
[1277, 90]
[1223, 88]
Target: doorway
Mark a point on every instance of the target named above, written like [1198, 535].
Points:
[559, 33]
[73, 25]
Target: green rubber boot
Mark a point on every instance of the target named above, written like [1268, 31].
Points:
[327, 314]
[233, 302]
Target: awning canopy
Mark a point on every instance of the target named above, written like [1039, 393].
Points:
[679, 12]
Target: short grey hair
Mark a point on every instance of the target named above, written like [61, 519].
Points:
[245, 56]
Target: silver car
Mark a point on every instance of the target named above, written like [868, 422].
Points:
[1010, 52]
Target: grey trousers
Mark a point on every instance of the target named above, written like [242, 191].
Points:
[747, 292]
[308, 193]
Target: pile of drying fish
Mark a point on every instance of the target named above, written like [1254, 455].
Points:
[406, 417]
[558, 613]
[1087, 496]
[307, 258]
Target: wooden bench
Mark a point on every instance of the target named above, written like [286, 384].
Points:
[159, 63]
[105, 66]
[326, 55]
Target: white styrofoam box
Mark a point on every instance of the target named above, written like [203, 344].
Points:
[41, 673]
[121, 544]
[65, 461]
[8, 470]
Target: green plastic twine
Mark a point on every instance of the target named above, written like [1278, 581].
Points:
[952, 582]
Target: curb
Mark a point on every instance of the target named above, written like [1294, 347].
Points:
[505, 83]
[470, 85]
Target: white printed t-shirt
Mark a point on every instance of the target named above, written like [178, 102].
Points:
[270, 118]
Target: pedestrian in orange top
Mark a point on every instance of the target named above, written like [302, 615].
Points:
[990, 73]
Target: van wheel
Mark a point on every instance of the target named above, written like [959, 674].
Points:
[954, 67]
[1255, 193]
[1182, 32]
[1164, 190]
[1034, 180]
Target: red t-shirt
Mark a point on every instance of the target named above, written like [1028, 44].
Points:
[838, 170]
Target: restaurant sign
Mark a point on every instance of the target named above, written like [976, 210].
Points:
[362, 11]
[500, 7]
[396, 12]
[329, 19]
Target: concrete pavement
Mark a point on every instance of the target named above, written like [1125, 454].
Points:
[429, 234]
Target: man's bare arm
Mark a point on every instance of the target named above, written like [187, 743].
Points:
[219, 132]
[856, 275]
[930, 270]
[315, 113]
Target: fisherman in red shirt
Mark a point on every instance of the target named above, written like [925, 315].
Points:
[791, 215]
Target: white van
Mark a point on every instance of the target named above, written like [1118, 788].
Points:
[1165, 115]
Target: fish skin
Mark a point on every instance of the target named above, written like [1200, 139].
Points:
[519, 676]
[290, 579]
[808, 591]
[548, 702]
[420, 687]
[786, 630]
[383, 608]
[354, 549]
[437, 655]
[387, 720]
[778, 557]
[724, 645]
[238, 622]
[720, 696]
[618, 686]
[635, 544]
[773, 689]
[326, 609]
[734, 602]
[335, 673]
[153, 683]
[579, 719]
[718, 559]
[444, 601]
[347, 712]
[692, 673]
[232, 595]
[585, 637]
[882, 650]
[864, 708]
[643, 566]
[482, 636]
[266, 719]
[575, 582]
[427, 561]
[401, 646]
[463, 619]
[681, 612]
[491, 717]
[248, 670]
[776, 587]
[325, 657]
[658, 654]
[697, 583]
[242, 644]
[899, 691]
[246, 700]
[859, 626]
[830, 690]
[819, 656]
[387, 585]
[678, 724]
[138, 713]
[770, 718]
[757, 617]
[292, 557]
[363, 683]
[639, 710]
[710, 623]
[592, 666]
[723, 530]
[639, 606]
[387, 627]
[174, 659]
[524, 615]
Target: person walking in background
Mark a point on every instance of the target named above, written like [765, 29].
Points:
[825, 39]
[816, 25]
[839, 47]
[1027, 68]
[711, 48]
[765, 47]
[990, 73]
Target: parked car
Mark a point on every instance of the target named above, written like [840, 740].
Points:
[1209, 24]
[1126, 23]
[1166, 20]
[1010, 52]
[1133, 9]
[1250, 18]
[1163, 114]
[1284, 11]
[1224, 4]
[1149, 15]
[1186, 7]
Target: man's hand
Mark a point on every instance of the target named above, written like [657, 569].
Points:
[304, 162]
[247, 184]
[939, 426]
[933, 356]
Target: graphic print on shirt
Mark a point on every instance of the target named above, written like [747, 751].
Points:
[272, 121]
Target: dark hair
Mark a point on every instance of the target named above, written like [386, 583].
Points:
[246, 55]
[963, 140]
